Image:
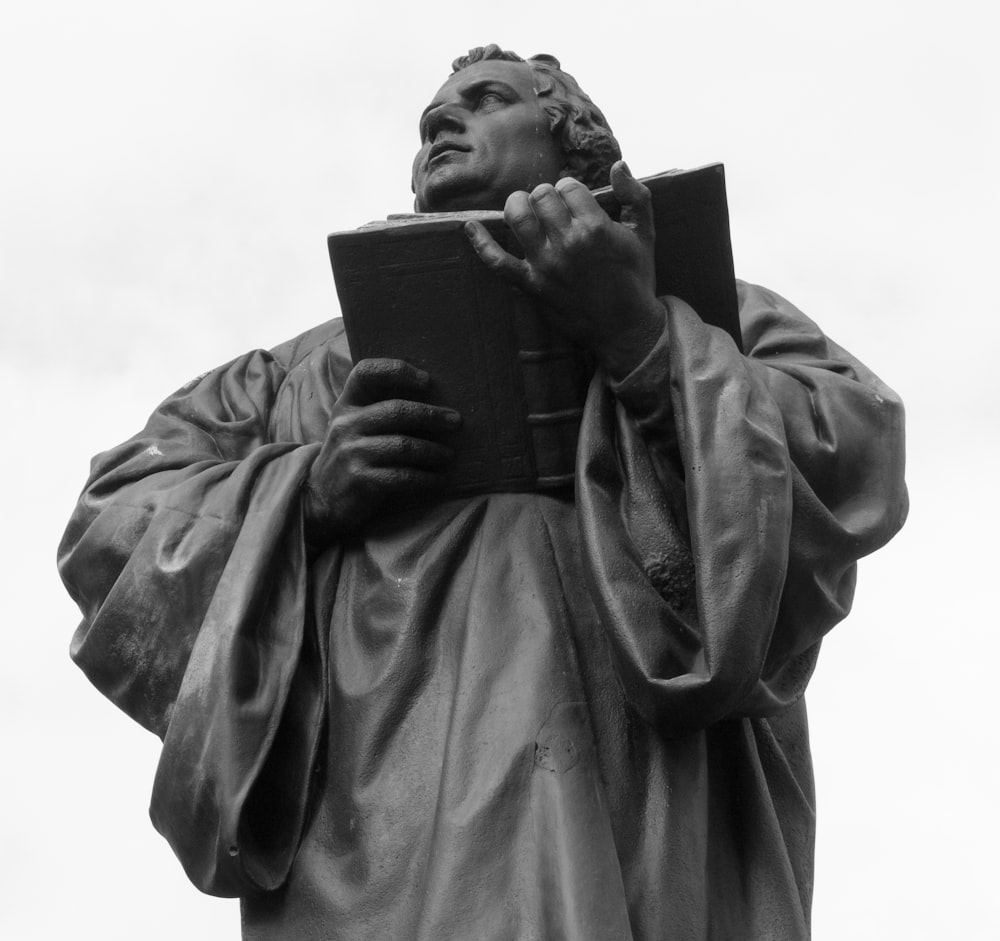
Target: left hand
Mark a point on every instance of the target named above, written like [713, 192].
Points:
[596, 274]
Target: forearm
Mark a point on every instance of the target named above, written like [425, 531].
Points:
[779, 471]
[633, 336]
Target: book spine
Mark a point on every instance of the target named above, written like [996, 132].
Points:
[554, 376]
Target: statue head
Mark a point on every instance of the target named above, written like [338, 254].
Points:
[501, 123]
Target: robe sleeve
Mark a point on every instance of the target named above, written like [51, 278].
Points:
[187, 559]
[724, 501]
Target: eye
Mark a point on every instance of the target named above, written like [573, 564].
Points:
[490, 101]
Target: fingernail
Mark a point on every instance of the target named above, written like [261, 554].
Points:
[452, 417]
[626, 168]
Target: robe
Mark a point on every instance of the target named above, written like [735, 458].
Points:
[565, 715]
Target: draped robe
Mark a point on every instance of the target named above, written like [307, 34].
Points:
[567, 715]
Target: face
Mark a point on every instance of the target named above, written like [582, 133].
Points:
[482, 137]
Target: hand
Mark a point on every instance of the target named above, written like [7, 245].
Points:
[597, 275]
[379, 443]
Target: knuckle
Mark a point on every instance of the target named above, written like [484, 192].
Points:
[354, 466]
[515, 199]
[396, 367]
[340, 422]
[494, 261]
[364, 369]
[517, 210]
[575, 243]
[521, 220]
[542, 191]
[394, 410]
[337, 435]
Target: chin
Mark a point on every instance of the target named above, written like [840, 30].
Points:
[456, 195]
[450, 202]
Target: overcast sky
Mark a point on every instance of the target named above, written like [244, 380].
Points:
[170, 172]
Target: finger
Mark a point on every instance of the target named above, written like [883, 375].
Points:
[550, 210]
[520, 218]
[384, 481]
[494, 257]
[400, 416]
[578, 199]
[635, 200]
[403, 451]
[372, 380]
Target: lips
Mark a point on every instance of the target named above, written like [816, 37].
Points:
[445, 147]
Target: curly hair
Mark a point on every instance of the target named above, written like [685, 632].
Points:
[577, 124]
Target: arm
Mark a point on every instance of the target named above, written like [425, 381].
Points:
[187, 555]
[725, 499]
[776, 471]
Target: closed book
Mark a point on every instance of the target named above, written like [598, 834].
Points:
[413, 288]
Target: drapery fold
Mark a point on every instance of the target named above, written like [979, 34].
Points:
[187, 557]
[721, 504]
[773, 544]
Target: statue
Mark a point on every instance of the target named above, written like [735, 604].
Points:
[573, 714]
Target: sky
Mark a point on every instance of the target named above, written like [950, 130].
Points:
[170, 172]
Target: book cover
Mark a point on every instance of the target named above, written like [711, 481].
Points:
[413, 288]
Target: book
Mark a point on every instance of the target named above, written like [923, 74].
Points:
[412, 287]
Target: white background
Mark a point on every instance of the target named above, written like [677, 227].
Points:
[170, 172]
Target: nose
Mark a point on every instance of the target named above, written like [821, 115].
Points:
[444, 118]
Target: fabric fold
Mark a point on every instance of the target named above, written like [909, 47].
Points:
[359, 740]
[187, 557]
[705, 449]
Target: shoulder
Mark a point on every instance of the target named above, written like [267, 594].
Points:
[316, 365]
[327, 337]
[777, 334]
[772, 325]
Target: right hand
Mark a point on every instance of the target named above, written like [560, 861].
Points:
[380, 442]
[597, 276]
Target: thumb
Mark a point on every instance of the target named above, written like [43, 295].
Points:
[496, 258]
[635, 200]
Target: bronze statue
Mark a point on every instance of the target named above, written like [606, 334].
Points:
[564, 715]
